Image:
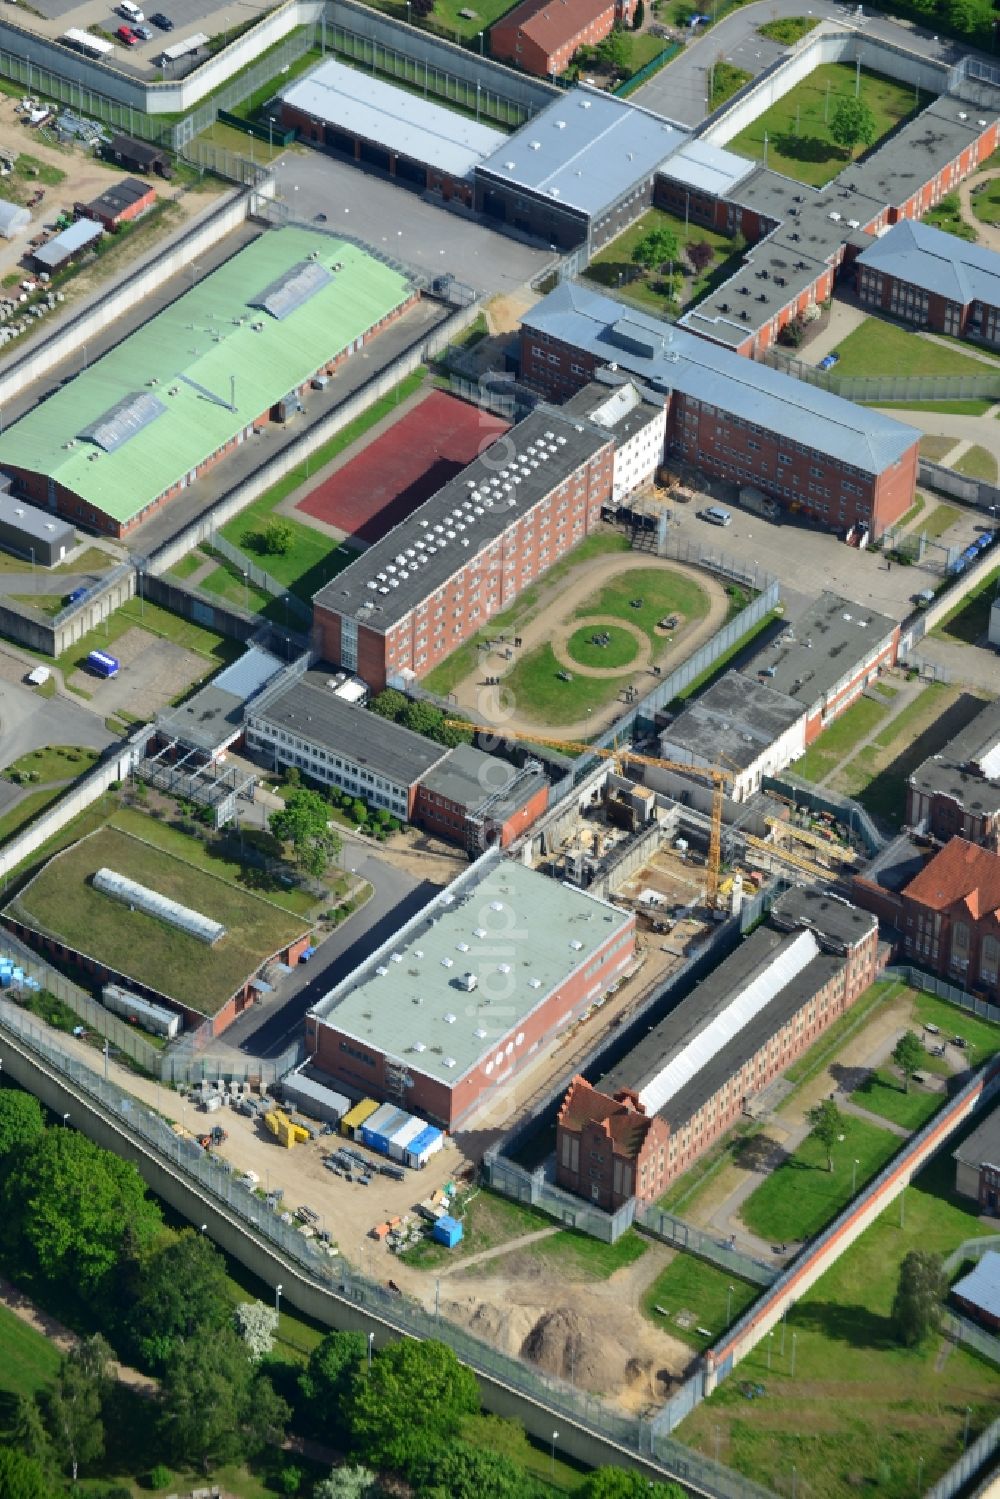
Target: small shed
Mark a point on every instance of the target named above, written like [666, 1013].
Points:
[138, 156]
[65, 247]
[447, 1231]
[978, 1293]
[13, 219]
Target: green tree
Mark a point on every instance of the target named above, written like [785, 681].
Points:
[73, 1406]
[908, 1055]
[625, 1483]
[22, 1477]
[424, 1380]
[920, 1291]
[215, 1410]
[304, 823]
[853, 124]
[355, 1482]
[639, 16]
[75, 1210]
[179, 1290]
[325, 1383]
[28, 1433]
[276, 538]
[655, 249]
[389, 704]
[614, 50]
[21, 1120]
[422, 718]
[826, 1124]
[460, 1471]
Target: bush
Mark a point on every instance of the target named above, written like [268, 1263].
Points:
[159, 1477]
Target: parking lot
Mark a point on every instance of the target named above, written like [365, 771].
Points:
[29, 721]
[54, 17]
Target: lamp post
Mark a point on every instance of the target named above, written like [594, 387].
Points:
[277, 1300]
[480, 44]
[65, 1118]
[204, 1228]
[729, 1304]
[792, 1370]
[770, 1345]
[371, 1339]
[246, 593]
[854, 1175]
[552, 1456]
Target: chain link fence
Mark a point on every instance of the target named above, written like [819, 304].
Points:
[681, 1235]
[931, 984]
[299, 613]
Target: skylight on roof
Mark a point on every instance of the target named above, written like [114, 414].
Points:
[292, 289]
[123, 420]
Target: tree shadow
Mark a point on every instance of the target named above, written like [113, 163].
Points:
[759, 1153]
[857, 1326]
[807, 148]
[850, 1079]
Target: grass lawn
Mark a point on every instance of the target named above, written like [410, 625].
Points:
[691, 1285]
[313, 558]
[490, 1220]
[29, 1360]
[940, 520]
[26, 809]
[155, 621]
[62, 900]
[818, 1057]
[982, 1036]
[801, 1196]
[187, 565]
[620, 650]
[727, 80]
[613, 267]
[947, 215]
[48, 604]
[978, 463]
[934, 448]
[945, 408]
[985, 200]
[835, 743]
[662, 592]
[877, 347]
[57, 762]
[882, 1093]
[970, 618]
[800, 143]
[224, 584]
[861, 1414]
[454, 668]
[446, 17]
[789, 30]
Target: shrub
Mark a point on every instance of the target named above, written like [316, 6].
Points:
[159, 1477]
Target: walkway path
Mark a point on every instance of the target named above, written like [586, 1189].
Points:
[501, 1249]
[50, 1327]
[907, 692]
[988, 235]
[848, 1107]
[492, 703]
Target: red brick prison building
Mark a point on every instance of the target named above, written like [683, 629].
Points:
[958, 790]
[542, 36]
[977, 1164]
[467, 552]
[691, 1078]
[925, 276]
[489, 974]
[843, 465]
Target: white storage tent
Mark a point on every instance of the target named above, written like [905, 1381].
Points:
[13, 219]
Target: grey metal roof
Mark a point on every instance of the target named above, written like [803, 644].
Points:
[246, 676]
[670, 358]
[982, 1147]
[393, 117]
[584, 150]
[616, 404]
[79, 234]
[937, 262]
[467, 776]
[897, 864]
[309, 710]
[32, 521]
[521, 933]
[957, 771]
[822, 647]
[13, 217]
[836, 922]
[736, 719]
[981, 1286]
[707, 168]
[460, 521]
[123, 420]
[292, 288]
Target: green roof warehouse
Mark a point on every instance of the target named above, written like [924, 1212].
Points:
[152, 415]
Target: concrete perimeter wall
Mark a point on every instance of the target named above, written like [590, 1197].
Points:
[831, 43]
[918, 625]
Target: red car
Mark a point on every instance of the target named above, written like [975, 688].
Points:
[127, 35]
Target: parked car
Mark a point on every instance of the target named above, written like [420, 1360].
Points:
[924, 598]
[162, 21]
[716, 516]
[143, 32]
[828, 362]
[127, 35]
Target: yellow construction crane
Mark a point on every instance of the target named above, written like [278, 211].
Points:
[784, 855]
[619, 755]
[825, 845]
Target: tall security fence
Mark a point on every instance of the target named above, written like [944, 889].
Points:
[329, 1272]
[257, 577]
[973, 1460]
[970, 1249]
[277, 62]
[680, 1235]
[930, 983]
[979, 492]
[879, 388]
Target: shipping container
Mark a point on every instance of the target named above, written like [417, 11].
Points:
[354, 1118]
[313, 1099]
[407, 1131]
[423, 1146]
[377, 1131]
[156, 1019]
[447, 1231]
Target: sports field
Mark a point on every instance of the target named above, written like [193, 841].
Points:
[396, 472]
[61, 902]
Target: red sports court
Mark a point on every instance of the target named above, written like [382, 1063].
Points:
[385, 482]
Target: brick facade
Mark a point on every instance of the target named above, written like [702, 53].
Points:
[541, 36]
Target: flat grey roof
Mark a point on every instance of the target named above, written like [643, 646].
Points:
[835, 921]
[707, 168]
[584, 150]
[33, 522]
[615, 403]
[812, 655]
[735, 719]
[215, 711]
[521, 933]
[393, 117]
[79, 234]
[917, 150]
[937, 262]
[899, 863]
[955, 771]
[467, 776]
[983, 1145]
[671, 358]
[311, 711]
[457, 523]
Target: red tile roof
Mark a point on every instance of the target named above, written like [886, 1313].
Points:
[625, 1121]
[961, 873]
[552, 23]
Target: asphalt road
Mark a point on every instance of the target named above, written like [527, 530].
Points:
[269, 1028]
[29, 721]
[680, 91]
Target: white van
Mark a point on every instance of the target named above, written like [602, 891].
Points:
[716, 516]
[131, 12]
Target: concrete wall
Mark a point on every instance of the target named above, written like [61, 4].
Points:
[919, 625]
[314, 437]
[831, 43]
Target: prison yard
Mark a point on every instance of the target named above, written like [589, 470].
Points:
[797, 127]
[614, 268]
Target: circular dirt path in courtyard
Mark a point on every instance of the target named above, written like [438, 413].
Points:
[552, 621]
[639, 662]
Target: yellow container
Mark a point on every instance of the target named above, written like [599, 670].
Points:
[355, 1118]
